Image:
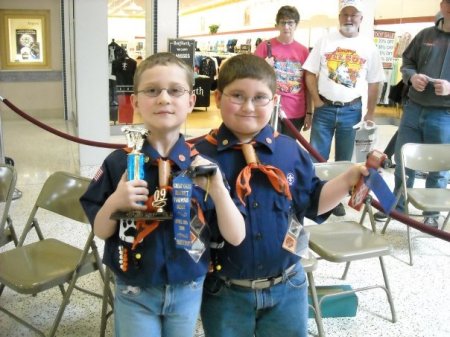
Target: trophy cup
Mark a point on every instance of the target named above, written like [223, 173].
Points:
[135, 167]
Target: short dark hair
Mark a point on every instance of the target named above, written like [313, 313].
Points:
[163, 59]
[246, 66]
[288, 12]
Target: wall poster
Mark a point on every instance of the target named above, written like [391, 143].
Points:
[384, 40]
[24, 40]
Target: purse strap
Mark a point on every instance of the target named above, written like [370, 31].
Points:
[269, 48]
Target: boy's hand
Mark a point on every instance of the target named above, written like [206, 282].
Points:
[130, 194]
[216, 184]
[354, 173]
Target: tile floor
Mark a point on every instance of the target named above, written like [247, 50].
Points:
[421, 293]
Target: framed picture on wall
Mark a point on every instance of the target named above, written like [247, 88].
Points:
[24, 39]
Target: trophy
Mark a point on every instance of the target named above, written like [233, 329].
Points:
[135, 160]
[135, 167]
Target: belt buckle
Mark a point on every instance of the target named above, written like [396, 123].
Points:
[254, 283]
[338, 103]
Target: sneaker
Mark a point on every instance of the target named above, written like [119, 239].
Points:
[431, 221]
[339, 210]
[380, 216]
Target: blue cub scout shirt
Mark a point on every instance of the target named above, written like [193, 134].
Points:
[162, 263]
[266, 211]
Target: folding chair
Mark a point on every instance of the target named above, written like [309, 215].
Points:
[108, 298]
[49, 262]
[424, 158]
[347, 241]
[309, 265]
[8, 179]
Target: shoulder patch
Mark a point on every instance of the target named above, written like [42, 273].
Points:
[290, 178]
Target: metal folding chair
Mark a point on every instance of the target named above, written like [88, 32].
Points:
[8, 179]
[347, 241]
[49, 262]
[423, 158]
[310, 265]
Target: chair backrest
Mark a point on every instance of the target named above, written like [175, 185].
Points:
[330, 170]
[61, 194]
[426, 157]
[8, 179]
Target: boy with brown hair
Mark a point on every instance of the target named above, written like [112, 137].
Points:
[259, 288]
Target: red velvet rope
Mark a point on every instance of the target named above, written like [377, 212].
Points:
[394, 214]
[59, 133]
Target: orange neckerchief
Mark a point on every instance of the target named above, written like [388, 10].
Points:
[276, 177]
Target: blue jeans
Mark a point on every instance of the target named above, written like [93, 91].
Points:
[423, 125]
[168, 311]
[331, 120]
[278, 311]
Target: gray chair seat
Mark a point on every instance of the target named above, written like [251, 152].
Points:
[345, 241]
[431, 199]
[33, 268]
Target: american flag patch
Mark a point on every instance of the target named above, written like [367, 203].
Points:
[99, 174]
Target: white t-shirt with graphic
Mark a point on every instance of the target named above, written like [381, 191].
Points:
[345, 66]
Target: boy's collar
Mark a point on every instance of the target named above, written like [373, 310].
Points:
[226, 138]
[180, 153]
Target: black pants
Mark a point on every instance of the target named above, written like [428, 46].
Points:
[390, 148]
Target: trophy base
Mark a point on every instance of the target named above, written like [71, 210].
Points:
[139, 215]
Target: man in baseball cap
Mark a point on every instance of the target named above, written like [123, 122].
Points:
[342, 68]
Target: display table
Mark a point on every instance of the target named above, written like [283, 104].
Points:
[202, 89]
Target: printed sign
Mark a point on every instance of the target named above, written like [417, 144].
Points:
[183, 49]
[384, 40]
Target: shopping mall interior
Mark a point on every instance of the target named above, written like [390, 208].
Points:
[67, 89]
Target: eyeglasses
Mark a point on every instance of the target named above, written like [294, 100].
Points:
[177, 91]
[290, 23]
[258, 100]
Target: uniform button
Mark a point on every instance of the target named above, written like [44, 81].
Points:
[255, 204]
[225, 142]
[258, 236]
[181, 157]
[268, 140]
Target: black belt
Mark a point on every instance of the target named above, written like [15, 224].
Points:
[338, 103]
[261, 283]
